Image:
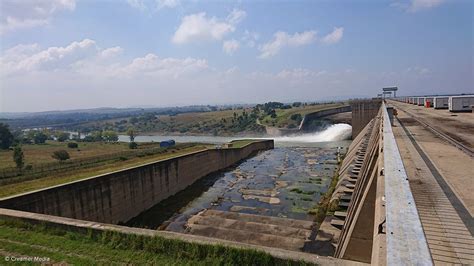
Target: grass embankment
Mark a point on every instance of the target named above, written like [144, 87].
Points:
[61, 246]
[283, 116]
[21, 184]
[241, 143]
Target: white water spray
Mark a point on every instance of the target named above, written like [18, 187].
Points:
[336, 132]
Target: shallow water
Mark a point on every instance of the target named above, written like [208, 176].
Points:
[283, 182]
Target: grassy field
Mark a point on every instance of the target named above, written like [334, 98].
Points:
[22, 239]
[283, 119]
[55, 178]
[41, 153]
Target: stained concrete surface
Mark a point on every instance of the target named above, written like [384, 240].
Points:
[456, 167]
[449, 239]
[264, 201]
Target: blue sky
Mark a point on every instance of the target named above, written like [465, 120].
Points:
[67, 54]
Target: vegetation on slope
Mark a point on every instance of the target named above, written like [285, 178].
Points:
[61, 246]
[239, 121]
[224, 122]
[285, 116]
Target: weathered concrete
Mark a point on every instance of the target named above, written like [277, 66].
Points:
[119, 196]
[449, 239]
[95, 227]
[260, 230]
[362, 113]
[379, 215]
[323, 113]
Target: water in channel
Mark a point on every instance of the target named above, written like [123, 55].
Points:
[287, 181]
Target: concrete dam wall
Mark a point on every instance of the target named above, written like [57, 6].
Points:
[305, 123]
[119, 196]
[363, 111]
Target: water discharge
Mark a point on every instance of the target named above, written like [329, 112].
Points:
[336, 132]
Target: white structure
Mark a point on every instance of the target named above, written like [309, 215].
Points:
[441, 102]
[461, 103]
[421, 101]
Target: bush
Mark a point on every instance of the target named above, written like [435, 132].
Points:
[63, 136]
[40, 137]
[72, 145]
[18, 157]
[28, 167]
[132, 145]
[60, 155]
[296, 117]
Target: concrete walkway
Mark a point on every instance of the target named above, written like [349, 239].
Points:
[444, 216]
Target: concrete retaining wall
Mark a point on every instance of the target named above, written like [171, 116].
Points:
[119, 196]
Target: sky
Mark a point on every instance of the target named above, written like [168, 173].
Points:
[74, 54]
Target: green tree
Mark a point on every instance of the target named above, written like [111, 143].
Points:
[18, 157]
[72, 145]
[62, 136]
[131, 134]
[96, 135]
[110, 136]
[60, 155]
[132, 145]
[6, 137]
[272, 113]
[296, 117]
[39, 137]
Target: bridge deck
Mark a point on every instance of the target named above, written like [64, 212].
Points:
[441, 182]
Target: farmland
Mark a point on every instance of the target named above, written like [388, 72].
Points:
[98, 158]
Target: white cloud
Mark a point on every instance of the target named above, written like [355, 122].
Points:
[236, 16]
[282, 39]
[417, 5]
[199, 27]
[229, 47]
[144, 5]
[250, 38]
[334, 37]
[299, 73]
[152, 65]
[17, 15]
[25, 58]
[167, 3]
[111, 52]
[417, 70]
[86, 58]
